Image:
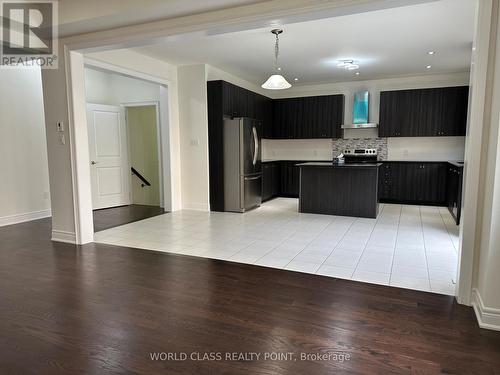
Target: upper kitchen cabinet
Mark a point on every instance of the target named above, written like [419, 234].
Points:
[308, 117]
[430, 112]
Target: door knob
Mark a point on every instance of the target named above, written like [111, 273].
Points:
[93, 162]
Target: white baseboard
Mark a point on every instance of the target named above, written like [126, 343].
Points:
[21, 218]
[63, 236]
[487, 317]
[196, 206]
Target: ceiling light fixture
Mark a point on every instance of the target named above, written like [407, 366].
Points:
[357, 73]
[431, 53]
[276, 81]
[348, 64]
[428, 66]
[295, 79]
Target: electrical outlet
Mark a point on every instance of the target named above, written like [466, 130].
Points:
[195, 142]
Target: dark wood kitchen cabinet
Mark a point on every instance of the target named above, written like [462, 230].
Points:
[228, 100]
[289, 179]
[308, 117]
[454, 191]
[271, 180]
[413, 182]
[424, 112]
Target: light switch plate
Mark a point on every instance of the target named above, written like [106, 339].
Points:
[60, 126]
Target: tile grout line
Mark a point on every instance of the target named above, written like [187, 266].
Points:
[425, 248]
[288, 238]
[335, 247]
[338, 243]
[366, 244]
[396, 243]
[448, 231]
[313, 240]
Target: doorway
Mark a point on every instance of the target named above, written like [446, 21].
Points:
[125, 163]
[144, 155]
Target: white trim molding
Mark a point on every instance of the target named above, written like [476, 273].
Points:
[63, 236]
[487, 317]
[21, 218]
[107, 67]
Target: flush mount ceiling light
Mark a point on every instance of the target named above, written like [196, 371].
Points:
[276, 81]
[431, 52]
[348, 64]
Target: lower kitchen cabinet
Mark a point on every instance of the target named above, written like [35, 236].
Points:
[413, 183]
[271, 180]
[454, 191]
[280, 179]
[290, 179]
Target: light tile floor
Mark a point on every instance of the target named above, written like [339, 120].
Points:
[412, 247]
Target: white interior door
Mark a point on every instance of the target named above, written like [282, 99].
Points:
[109, 164]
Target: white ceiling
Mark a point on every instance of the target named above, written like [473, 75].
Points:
[81, 16]
[387, 43]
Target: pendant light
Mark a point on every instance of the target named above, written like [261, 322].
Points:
[276, 81]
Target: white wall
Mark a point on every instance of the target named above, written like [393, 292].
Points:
[296, 149]
[115, 89]
[426, 148]
[486, 294]
[193, 120]
[24, 191]
[412, 148]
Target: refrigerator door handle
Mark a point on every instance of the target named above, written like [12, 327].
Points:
[256, 145]
[252, 178]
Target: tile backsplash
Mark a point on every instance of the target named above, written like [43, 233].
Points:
[339, 145]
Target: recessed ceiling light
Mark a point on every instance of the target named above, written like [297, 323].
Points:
[295, 79]
[431, 53]
[348, 64]
[357, 73]
[428, 66]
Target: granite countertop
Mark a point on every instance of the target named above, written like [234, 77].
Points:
[335, 165]
[297, 160]
[454, 162]
[457, 163]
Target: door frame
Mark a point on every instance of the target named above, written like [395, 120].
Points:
[84, 226]
[160, 140]
[126, 157]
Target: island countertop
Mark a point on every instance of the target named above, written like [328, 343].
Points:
[335, 165]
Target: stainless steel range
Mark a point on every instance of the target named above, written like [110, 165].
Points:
[365, 155]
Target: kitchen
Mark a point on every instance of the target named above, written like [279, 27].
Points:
[410, 114]
[386, 211]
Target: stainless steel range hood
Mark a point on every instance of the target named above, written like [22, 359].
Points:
[360, 126]
[360, 112]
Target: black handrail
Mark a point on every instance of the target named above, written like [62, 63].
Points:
[140, 177]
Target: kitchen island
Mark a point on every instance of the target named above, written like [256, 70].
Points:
[339, 189]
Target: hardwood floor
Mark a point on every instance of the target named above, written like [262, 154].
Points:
[116, 216]
[101, 309]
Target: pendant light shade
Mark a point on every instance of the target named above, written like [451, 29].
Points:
[276, 81]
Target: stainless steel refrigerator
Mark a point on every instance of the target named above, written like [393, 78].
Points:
[242, 164]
